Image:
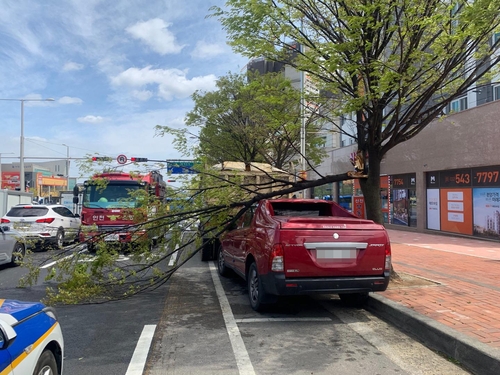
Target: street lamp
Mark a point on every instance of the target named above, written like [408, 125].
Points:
[22, 185]
[2, 153]
[67, 166]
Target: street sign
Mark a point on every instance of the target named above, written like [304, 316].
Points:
[181, 167]
[121, 159]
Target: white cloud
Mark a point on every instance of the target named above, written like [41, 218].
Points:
[172, 83]
[142, 95]
[206, 50]
[70, 100]
[90, 119]
[156, 35]
[70, 66]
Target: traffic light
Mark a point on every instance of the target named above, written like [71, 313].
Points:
[136, 160]
[101, 158]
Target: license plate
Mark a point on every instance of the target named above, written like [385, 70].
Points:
[111, 237]
[336, 254]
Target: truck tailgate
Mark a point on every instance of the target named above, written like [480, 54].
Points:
[333, 247]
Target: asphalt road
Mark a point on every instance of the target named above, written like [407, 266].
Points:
[208, 327]
[204, 325]
[99, 338]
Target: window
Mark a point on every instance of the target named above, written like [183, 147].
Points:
[458, 105]
[246, 220]
[301, 209]
[63, 211]
[496, 92]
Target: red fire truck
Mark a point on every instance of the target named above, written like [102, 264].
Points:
[108, 203]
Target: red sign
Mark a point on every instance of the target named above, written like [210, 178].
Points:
[358, 207]
[10, 180]
[121, 159]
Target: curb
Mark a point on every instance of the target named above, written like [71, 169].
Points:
[475, 356]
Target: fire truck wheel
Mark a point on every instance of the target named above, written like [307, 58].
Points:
[91, 248]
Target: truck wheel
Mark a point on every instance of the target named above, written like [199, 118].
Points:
[256, 294]
[46, 364]
[221, 264]
[354, 299]
[91, 248]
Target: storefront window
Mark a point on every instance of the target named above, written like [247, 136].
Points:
[404, 200]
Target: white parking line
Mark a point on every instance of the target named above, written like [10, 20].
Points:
[138, 361]
[240, 351]
[173, 257]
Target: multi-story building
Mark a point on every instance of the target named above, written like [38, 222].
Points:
[445, 179]
[44, 179]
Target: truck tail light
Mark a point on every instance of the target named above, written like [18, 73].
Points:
[276, 259]
[47, 220]
[4, 221]
[388, 256]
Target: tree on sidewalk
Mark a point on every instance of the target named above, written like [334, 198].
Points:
[393, 65]
[251, 117]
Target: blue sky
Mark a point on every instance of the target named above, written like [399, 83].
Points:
[115, 69]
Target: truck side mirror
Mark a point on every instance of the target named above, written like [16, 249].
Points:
[75, 200]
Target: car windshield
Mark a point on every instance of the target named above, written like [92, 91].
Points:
[27, 211]
[112, 195]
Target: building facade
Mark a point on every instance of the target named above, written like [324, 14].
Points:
[445, 179]
[43, 179]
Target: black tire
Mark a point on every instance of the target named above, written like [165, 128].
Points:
[91, 248]
[354, 299]
[59, 244]
[256, 294]
[18, 254]
[221, 264]
[207, 251]
[46, 364]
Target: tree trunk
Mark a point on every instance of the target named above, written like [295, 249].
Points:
[371, 189]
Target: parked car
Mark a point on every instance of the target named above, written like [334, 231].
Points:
[31, 340]
[48, 225]
[12, 246]
[304, 246]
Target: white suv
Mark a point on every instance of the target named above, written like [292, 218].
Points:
[51, 224]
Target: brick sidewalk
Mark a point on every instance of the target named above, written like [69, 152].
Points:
[467, 297]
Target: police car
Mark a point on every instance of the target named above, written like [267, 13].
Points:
[31, 340]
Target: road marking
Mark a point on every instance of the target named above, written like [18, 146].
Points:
[138, 361]
[173, 257]
[240, 351]
[121, 258]
[410, 355]
[56, 261]
[266, 320]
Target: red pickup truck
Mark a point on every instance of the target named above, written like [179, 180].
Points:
[304, 246]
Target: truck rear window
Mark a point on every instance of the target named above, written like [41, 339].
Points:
[301, 209]
[27, 211]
